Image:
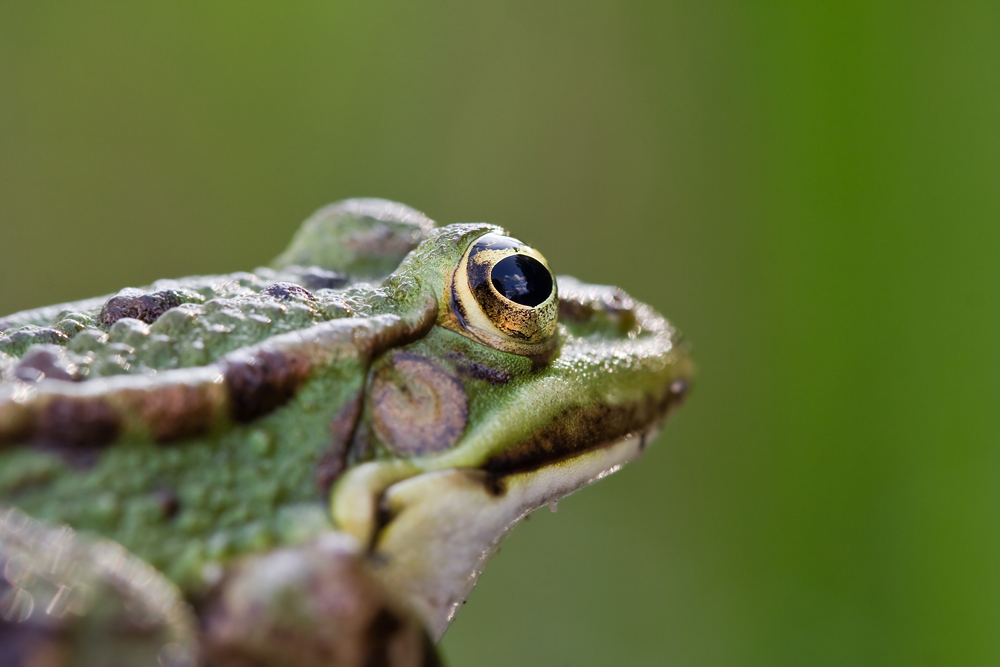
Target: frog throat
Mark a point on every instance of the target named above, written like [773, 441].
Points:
[413, 546]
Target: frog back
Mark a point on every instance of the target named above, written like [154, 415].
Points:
[196, 419]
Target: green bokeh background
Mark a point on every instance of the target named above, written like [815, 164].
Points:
[811, 193]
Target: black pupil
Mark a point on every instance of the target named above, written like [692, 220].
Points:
[522, 279]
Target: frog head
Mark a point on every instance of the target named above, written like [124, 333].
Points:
[430, 386]
[526, 388]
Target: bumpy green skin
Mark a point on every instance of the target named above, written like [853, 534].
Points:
[190, 507]
[245, 489]
[233, 488]
[364, 237]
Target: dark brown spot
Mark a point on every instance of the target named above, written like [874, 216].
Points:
[494, 484]
[137, 305]
[175, 411]
[45, 363]
[417, 407]
[261, 383]
[334, 460]
[478, 371]
[76, 422]
[380, 632]
[168, 502]
[287, 292]
[578, 430]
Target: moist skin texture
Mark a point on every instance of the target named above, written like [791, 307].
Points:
[357, 387]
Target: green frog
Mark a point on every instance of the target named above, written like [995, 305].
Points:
[309, 464]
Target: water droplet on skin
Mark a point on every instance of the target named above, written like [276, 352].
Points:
[554, 506]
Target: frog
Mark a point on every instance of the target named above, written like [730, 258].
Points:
[310, 463]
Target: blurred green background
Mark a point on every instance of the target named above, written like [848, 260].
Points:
[810, 193]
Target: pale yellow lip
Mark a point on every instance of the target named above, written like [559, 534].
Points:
[432, 522]
[444, 525]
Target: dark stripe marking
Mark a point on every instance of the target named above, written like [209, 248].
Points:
[261, 383]
[477, 370]
[578, 430]
[174, 412]
[77, 422]
[185, 403]
[333, 462]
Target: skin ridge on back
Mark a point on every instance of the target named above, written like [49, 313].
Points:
[206, 422]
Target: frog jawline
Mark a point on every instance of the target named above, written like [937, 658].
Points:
[457, 518]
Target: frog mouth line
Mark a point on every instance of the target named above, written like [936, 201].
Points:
[572, 433]
[577, 430]
[439, 573]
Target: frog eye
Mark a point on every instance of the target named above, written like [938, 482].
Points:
[505, 294]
